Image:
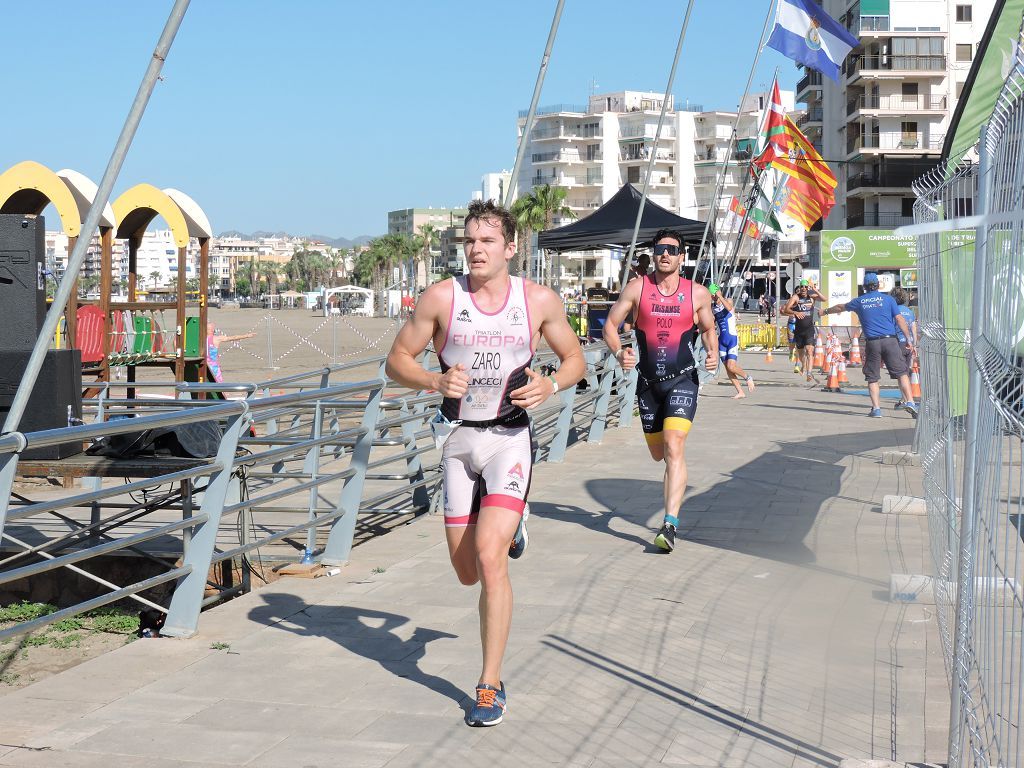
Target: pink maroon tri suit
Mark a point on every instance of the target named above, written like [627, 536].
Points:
[667, 388]
[488, 460]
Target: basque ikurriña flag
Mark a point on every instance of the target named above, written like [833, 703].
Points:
[809, 36]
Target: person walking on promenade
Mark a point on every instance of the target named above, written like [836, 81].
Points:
[668, 312]
[880, 318]
[485, 326]
[800, 308]
[745, 298]
[729, 341]
[900, 297]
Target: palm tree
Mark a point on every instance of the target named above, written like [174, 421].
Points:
[268, 271]
[537, 210]
[155, 277]
[428, 234]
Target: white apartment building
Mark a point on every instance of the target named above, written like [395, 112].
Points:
[226, 255]
[156, 261]
[886, 120]
[494, 186]
[592, 150]
[57, 258]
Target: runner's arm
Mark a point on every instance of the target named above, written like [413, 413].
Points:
[905, 329]
[621, 309]
[556, 331]
[788, 308]
[706, 323]
[725, 302]
[410, 342]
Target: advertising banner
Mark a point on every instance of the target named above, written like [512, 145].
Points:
[852, 252]
[840, 291]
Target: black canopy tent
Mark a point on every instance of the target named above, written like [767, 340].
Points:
[612, 224]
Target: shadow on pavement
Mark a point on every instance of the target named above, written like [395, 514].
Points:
[690, 701]
[764, 508]
[601, 519]
[348, 627]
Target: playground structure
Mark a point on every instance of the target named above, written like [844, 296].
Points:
[127, 333]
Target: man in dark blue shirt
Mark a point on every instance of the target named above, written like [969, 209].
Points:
[880, 319]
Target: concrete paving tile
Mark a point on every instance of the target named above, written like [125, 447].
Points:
[305, 719]
[442, 731]
[193, 743]
[327, 753]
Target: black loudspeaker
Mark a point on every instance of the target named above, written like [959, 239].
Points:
[56, 397]
[22, 283]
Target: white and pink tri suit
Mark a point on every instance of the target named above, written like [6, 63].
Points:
[487, 461]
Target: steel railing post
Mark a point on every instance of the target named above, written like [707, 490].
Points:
[311, 467]
[563, 425]
[605, 366]
[187, 600]
[339, 541]
[965, 592]
[414, 467]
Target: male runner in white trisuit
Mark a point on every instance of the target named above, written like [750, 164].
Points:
[485, 326]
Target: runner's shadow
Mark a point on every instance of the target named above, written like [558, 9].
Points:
[362, 631]
[601, 520]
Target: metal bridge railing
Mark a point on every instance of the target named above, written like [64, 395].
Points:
[971, 431]
[325, 455]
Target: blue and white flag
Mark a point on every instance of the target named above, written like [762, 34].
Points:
[809, 36]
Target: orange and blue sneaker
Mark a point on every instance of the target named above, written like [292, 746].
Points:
[489, 708]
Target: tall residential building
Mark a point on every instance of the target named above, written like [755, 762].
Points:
[494, 186]
[591, 150]
[885, 122]
[408, 221]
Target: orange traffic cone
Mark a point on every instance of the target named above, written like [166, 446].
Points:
[842, 371]
[855, 358]
[768, 355]
[832, 385]
[915, 381]
[819, 354]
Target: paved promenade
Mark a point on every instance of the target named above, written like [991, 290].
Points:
[766, 639]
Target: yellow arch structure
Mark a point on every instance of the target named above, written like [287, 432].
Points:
[138, 206]
[28, 187]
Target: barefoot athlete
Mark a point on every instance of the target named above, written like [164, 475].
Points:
[729, 341]
[669, 311]
[485, 326]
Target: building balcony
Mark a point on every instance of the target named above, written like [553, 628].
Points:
[808, 88]
[583, 205]
[896, 104]
[646, 133]
[813, 116]
[556, 109]
[883, 66]
[870, 25]
[883, 183]
[882, 220]
[643, 154]
[896, 143]
[539, 158]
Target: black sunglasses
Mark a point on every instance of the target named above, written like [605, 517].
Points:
[671, 250]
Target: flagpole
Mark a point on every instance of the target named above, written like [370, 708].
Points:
[654, 149]
[713, 207]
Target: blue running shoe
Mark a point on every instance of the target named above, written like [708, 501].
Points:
[875, 413]
[522, 539]
[489, 708]
[911, 408]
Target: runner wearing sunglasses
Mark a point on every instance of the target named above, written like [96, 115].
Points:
[667, 311]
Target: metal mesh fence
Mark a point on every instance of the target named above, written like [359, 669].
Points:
[988, 653]
[971, 433]
[945, 269]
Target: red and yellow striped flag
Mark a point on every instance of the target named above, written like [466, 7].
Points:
[790, 151]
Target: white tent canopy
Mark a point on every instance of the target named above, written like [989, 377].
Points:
[358, 300]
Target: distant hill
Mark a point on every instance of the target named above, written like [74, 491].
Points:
[334, 242]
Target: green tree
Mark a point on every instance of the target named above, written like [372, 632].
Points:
[426, 240]
[155, 277]
[536, 212]
[242, 284]
[268, 272]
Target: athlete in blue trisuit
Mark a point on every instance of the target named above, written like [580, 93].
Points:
[729, 341]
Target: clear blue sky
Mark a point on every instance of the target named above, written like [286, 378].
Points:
[319, 116]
